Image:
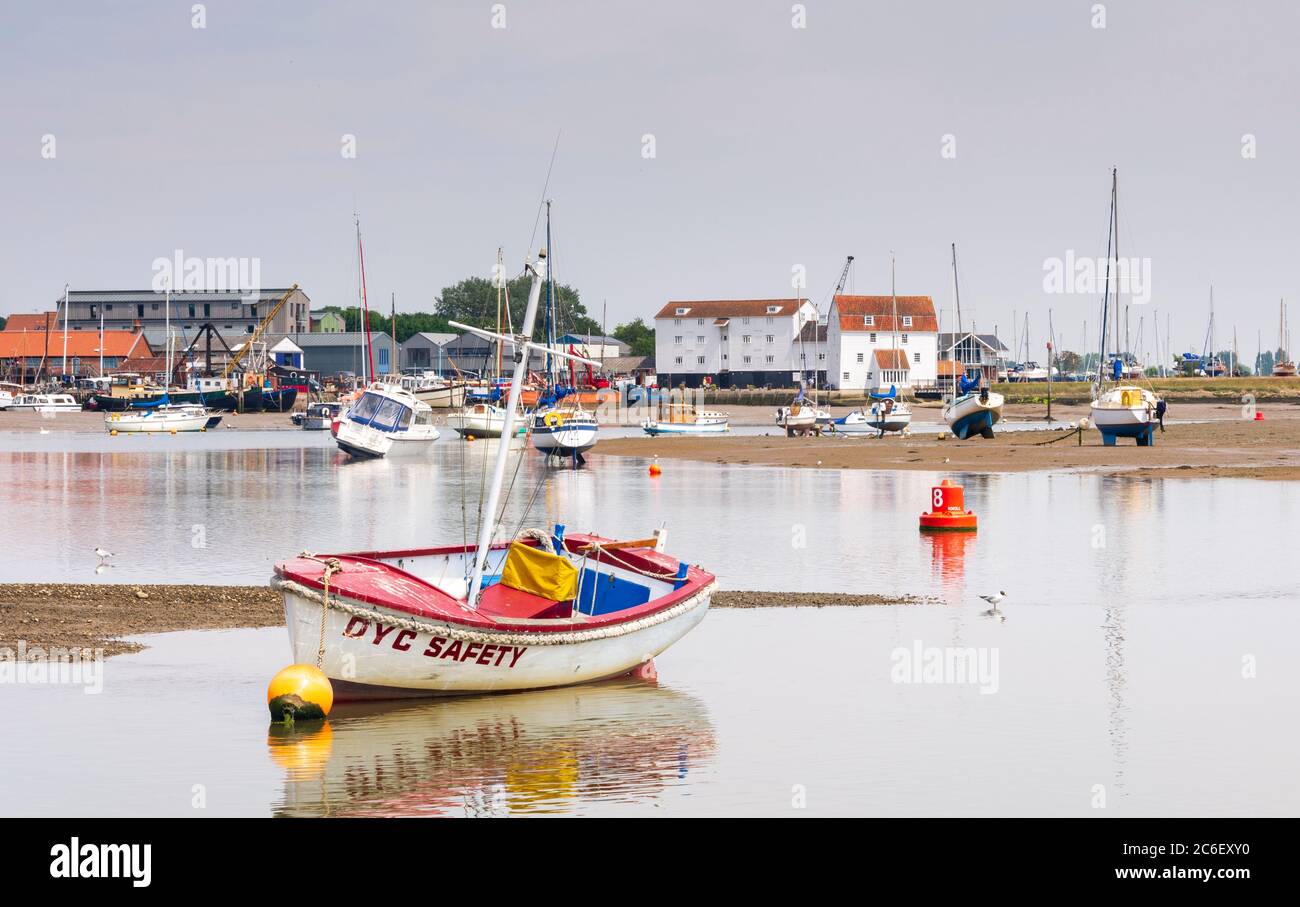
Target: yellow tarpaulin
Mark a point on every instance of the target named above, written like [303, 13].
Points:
[532, 570]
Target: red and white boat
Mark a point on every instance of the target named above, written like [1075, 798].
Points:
[546, 609]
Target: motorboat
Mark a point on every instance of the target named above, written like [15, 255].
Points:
[385, 420]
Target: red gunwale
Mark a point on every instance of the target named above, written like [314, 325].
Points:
[431, 602]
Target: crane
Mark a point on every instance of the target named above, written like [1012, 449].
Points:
[275, 310]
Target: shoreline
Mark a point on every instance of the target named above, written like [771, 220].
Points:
[94, 616]
[1224, 445]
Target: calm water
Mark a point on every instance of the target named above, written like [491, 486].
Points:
[1133, 607]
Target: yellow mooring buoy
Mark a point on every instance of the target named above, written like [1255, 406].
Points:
[299, 693]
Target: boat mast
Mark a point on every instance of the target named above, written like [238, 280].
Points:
[550, 301]
[523, 345]
[893, 294]
[368, 360]
[392, 333]
[1111, 251]
[957, 337]
[501, 279]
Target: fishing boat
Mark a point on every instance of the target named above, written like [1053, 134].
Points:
[1121, 410]
[46, 403]
[545, 608]
[163, 417]
[685, 419]
[321, 416]
[386, 420]
[561, 427]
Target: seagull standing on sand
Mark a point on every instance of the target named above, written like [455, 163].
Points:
[102, 554]
[994, 600]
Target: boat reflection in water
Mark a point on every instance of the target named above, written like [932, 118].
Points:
[561, 750]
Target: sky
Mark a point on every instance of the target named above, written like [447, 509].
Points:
[705, 150]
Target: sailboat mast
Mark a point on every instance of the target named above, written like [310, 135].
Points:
[539, 271]
[501, 279]
[893, 293]
[550, 303]
[956, 292]
[369, 359]
[392, 334]
[1111, 251]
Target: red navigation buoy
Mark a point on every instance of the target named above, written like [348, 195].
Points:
[1259, 416]
[948, 509]
[654, 467]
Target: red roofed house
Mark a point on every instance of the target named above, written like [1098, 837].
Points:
[31, 355]
[871, 350]
[32, 321]
[731, 342]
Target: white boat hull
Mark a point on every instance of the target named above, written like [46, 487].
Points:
[565, 439]
[1125, 412]
[155, 422]
[374, 652]
[700, 427]
[449, 397]
[970, 414]
[481, 425]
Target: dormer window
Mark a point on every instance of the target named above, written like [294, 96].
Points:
[868, 320]
[682, 310]
[907, 321]
[773, 309]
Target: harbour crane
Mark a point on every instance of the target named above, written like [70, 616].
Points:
[261, 328]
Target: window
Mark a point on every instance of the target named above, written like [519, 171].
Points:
[139, 310]
[699, 360]
[226, 327]
[745, 320]
[744, 338]
[252, 311]
[772, 310]
[903, 337]
[724, 357]
[859, 357]
[821, 357]
[803, 356]
[154, 306]
[724, 338]
[747, 360]
[677, 341]
[907, 321]
[677, 322]
[769, 338]
[868, 321]
[699, 321]
[679, 360]
[207, 309]
[248, 329]
[699, 338]
[846, 376]
[191, 309]
[916, 357]
[682, 311]
[108, 307]
[872, 337]
[769, 317]
[771, 359]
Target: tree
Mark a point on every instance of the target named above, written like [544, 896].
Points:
[3, 322]
[638, 335]
[474, 301]
[1264, 363]
[1068, 362]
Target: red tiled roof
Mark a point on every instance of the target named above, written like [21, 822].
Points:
[950, 368]
[728, 308]
[896, 359]
[852, 309]
[83, 344]
[31, 321]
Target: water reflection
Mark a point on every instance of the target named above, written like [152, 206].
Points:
[541, 752]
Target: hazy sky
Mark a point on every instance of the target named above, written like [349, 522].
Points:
[774, 147]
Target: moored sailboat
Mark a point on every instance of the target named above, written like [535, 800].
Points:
[974, 408]
[542, 609]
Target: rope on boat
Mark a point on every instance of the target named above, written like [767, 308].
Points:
[332, 565]
[451, 631]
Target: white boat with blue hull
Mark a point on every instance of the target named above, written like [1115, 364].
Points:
[386, 420]
[974, 411]
[564, 431]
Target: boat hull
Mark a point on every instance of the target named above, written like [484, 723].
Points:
[1126, 412]
[444, 660]
[153, 423]
[970, 415]
[651, 427]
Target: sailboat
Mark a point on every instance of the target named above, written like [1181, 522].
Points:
[483, 418]
[543, 608]
[886, 411]
[1284, 368]
[974, 408]
[1122, 410]
[562, 427]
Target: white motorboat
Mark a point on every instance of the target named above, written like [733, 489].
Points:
[386, 420]
[46, 403]
[435, 390]
[685, 419]
[321, 416]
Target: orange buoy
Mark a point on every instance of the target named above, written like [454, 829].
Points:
[948, 509]
[654, 468]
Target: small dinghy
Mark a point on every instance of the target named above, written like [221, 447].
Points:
[544, 609]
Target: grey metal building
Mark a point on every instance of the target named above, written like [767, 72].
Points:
[335, 353]
[234, 314]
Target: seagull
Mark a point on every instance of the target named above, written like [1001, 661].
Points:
[102, 554]
[994, 600]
